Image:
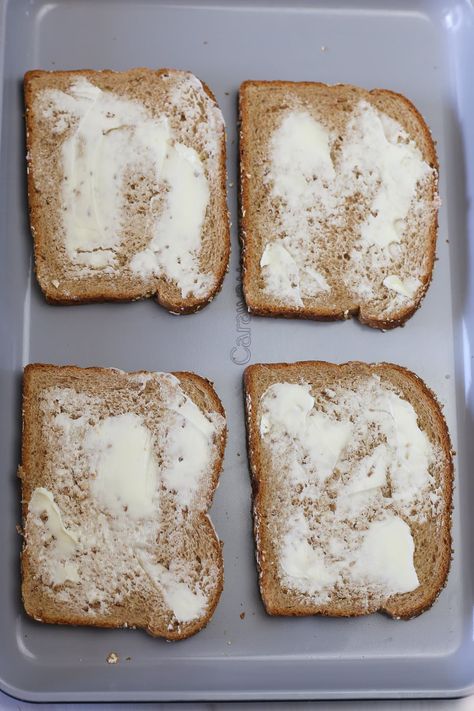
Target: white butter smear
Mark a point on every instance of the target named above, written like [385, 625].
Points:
[386, 556]
[288, 412]
[407, 288]
[311, 189]
[391, 165]
[283, 277]
[305, 565]
[301, 164]
[121, 455]
[177, 233]
[315, 447]
[63, 542]
[281, 273]
[186, 604]
[189, 444]
[109, 138]
[123, 481]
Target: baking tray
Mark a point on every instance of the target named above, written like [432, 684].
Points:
[422, 49]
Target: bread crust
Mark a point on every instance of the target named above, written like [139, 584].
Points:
[95, 293]
[245, 226]
[400, 606]
[191, 383]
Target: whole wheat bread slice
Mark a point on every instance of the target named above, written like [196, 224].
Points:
[125, 209]
[320, 499]
[139, 552]
[330, 271]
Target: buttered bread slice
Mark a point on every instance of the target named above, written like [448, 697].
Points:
[126, 186]
[118, 471]
[352, 479]
[339, 202]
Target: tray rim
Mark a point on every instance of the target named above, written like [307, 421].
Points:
[211, 696]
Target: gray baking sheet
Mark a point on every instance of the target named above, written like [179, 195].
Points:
[424, 50]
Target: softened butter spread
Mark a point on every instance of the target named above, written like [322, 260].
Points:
[312, 174]
[281, 273]
[301, 171]
[282, 276]
[63, 543]
[110, 138]
[386, 555]
[407, 287]
[355, 455]
[121, 456]
[188, 448]
[393, 165]
[301, 149]
[186, 604]
[289, 408]
[124, 482]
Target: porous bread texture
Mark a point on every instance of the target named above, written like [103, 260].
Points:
[326, 225]
[334, 518]
[124, 563]
[195, 121]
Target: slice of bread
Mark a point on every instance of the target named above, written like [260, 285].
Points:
[126, 186]
[352, 479]
[339, 202]
[118, 471]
